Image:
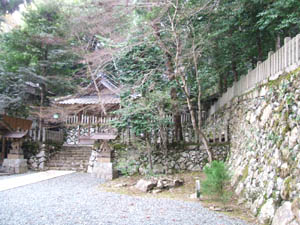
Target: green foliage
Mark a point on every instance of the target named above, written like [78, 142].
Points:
[145, 97]
[10, 6]
[240, 33]
[30, 148]
[37, 52]
[142, 115]
[53, 147]
[127, 168]
[12, 92]
[217, 177]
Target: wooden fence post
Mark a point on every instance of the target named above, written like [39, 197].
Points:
[44, 135]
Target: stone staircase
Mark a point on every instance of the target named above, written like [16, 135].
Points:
[70, 158]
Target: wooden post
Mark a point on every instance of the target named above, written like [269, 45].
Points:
[3, 149]
[78, 134]
[44, 135]
[214, 135]
[297, 49]
[286, 61]
[129, 138]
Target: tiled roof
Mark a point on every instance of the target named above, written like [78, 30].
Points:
[16, 134]
[91, 100]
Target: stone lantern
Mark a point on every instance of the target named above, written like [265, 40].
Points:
[103, 167]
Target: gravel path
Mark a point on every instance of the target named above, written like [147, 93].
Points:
[76, 199]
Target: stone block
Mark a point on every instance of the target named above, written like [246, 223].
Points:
[104, 171]
[283, 215]
[145, 185]
[15, 156]
[15, 165]
[267, 212]
[104, 160]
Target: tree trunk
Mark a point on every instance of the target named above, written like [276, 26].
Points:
[178, 136]
[277, 47]
[194, 123]
[259, 48]
[225, 83]
[149, 151]
[221, 85]
[176, 117]
[234, 70]
[163, 135]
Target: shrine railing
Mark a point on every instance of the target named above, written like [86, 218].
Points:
[101, 120]
[285, 59]
[85, 120]
[45, 135]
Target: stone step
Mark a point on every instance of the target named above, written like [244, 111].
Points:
[63, 159]
[76, 149]
[72, 153]
[70, 158]
[67, 165]
[67, 168]
[75, 155]
[68, 150]
[69, 161]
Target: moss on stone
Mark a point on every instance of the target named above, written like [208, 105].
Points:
[119, 146]
[287, 185]
[280, 108]
[245, 173]
[285, 130]
[218, 144]
[287, 76]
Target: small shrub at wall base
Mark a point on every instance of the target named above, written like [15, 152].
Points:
[127, 168]
[217, 177]
[30, 148]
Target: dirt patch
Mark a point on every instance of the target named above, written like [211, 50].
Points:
[125, 185]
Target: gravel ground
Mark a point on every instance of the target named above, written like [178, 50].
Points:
[76, 199]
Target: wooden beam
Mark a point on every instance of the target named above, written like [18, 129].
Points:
[3, 150]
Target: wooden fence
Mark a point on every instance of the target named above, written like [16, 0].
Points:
[286, 59]
[99, 120]
[46, 135]
[85, 119]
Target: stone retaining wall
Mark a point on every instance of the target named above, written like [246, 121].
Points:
[264, 132]
[45, 152]
[188, 158]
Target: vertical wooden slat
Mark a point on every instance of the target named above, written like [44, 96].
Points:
[3, 149]
[298, 49]
[44, 135]
[78, 133]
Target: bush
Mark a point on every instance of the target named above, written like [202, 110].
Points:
[127, 168]
[30, 148]
[217, 177]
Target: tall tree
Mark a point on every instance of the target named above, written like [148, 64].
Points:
[39, 51]
[172, 25]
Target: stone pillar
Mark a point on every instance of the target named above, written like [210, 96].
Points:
[103, 167]
[15, 162]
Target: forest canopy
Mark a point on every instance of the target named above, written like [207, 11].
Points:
[193, 49]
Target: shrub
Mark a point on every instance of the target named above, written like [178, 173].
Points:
[217, 177]
[127, 168]
[30, 148]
